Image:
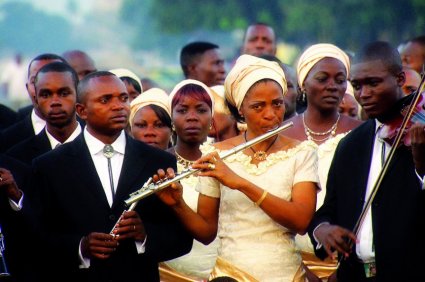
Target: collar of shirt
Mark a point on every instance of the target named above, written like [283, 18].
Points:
[96, 146]
[37, 122]
[54, 142]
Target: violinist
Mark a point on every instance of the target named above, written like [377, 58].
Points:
[390, 243]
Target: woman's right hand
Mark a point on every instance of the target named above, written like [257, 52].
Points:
[173, 194]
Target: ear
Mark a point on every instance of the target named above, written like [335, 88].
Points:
[401, 79]
[191, 69]
[81, 111]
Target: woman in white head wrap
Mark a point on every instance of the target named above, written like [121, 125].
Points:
[255, 200]
[322, 73]
[150, 118]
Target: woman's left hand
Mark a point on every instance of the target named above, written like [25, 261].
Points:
[213, 166]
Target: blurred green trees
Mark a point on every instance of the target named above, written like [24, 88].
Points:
[348, 23]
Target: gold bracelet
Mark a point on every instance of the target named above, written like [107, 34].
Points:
[258, 203]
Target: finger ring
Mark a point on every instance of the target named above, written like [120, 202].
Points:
[211, 166]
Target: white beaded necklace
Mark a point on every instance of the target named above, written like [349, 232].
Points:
[330, 132]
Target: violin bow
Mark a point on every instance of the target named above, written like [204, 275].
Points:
[391, 153]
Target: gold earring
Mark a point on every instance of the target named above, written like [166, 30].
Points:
[173, 128]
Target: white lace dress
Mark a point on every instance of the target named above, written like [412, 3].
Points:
[325, 152]
[201, 259]
[249, 238]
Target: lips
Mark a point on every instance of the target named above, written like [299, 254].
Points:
[56, 115]
[120, 118]
[192, 130]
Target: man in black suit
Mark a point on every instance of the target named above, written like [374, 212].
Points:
[78, 195]
[14, 178]
[390, 244]
[7, 117]
[55, 98]
[32, 123]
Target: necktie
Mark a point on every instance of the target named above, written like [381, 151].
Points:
[108, 152]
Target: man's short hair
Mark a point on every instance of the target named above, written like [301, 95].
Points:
[382, 51]
[419, 39]
[82, 85]
[58, 67]
[44, 57]
[191, 53]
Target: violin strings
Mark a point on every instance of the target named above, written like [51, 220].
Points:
[418, 116]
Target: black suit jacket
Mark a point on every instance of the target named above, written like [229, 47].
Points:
[7, 117]
[70, 203]
[24, 111]
[14, 226]
[398, 211]
[17, 132]
[29, 149]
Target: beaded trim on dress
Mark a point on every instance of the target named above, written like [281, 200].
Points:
[271, 159]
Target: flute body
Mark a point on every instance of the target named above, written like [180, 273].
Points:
[155, 187]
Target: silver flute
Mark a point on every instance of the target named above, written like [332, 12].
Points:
[132, 207]
[152, 188]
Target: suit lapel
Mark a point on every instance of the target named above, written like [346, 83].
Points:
[365, 156]
[83, 164]
[133, 163]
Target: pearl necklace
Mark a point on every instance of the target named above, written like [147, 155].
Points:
[330, 132]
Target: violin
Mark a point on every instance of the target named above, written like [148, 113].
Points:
[392, 126]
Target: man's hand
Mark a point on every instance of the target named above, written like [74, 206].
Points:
[130, 226]
[8, 184]
[334, 237]
[98, 245]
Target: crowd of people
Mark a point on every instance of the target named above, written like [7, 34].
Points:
[331, 198]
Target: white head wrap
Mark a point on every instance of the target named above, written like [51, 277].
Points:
[153, 96]
[314, 54]
[246, 72]
[186, 82]
[127, 73]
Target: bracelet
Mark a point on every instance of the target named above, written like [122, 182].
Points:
[258, 203]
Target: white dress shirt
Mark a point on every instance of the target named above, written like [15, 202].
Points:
[101, 162]
[37, 122]
[364, 249]
[54, 142]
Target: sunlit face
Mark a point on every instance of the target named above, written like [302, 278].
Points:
[413, 79]
[259, 40]
[413, 56]
[210, 68]
[326, 84]
[105, 107]
[349, 106]
[56, 97]
[147, 127]
[263, 107]
[375, 87]
[192, 119]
